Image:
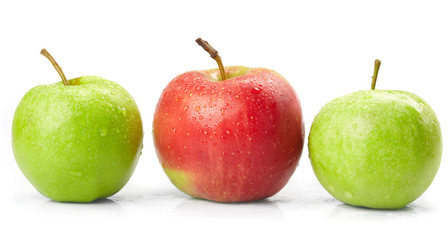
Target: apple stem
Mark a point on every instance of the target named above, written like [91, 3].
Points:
[55, 65]
[213, 54]
[375, 73]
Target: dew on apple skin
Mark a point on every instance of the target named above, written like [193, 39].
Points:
[223, 111]
[255, 90]
[199, 88]
[210, 103]
[76, 173]
[103, 132]
[348, 195]
[122, 110]
[354, 126]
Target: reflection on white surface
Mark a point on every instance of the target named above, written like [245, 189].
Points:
[300, 209]
[206, 209]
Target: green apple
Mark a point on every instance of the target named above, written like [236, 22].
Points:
[77, 140]
[376, 148]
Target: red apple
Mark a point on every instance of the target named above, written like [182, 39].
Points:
[233, 140]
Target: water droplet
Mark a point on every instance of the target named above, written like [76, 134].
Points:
[76, 173]
[185, 108]
[199, 88]
[331, 188]
[201, 117]
[354, 126]
[197, 108]
[210, 103]
[122, 110]
[228, 132]
[223, 111]
[103, 131]
[256, 90]
[348, 195]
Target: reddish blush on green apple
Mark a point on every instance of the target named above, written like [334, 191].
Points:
[232, 134]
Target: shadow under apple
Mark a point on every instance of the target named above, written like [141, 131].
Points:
[105, 208]
[348, 212]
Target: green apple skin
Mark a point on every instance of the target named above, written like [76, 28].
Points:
[376, 148]
[77, 143]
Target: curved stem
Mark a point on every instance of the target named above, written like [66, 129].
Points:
[55, 65]
[213, 54]
[375, 73]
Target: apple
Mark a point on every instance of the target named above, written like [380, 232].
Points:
[232, 134]
[376, 148]
[77, 140]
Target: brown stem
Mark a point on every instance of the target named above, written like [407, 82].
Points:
[213, 54]
[375, 73]
[55, 65]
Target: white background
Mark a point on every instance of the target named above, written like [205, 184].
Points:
[324, 48]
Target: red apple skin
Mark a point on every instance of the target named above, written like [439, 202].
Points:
[235, 140]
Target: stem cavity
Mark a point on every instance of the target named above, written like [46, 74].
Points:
[375, 73]
[213, 54]
[55, 65]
